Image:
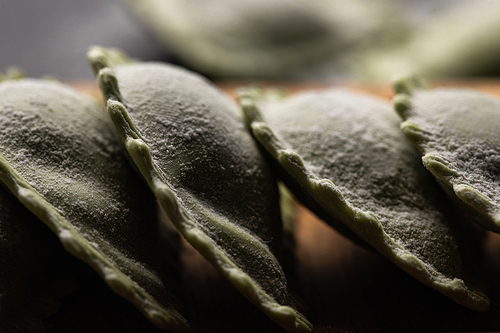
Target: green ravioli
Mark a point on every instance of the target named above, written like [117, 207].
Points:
[343, 156]
[457, 131]
[461, 40]
[265, 38]
[30, 264]
[259, 38]
[62, 160]
[190, 144]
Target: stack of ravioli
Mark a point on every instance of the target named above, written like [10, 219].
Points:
[171, 143]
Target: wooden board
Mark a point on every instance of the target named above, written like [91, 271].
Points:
[346, 288]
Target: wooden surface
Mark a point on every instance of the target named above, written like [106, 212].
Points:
[346, 288]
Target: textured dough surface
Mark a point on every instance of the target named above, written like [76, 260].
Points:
[207, 156]
[457, 130]
[190, 143]
[354, 141]
[63, 149]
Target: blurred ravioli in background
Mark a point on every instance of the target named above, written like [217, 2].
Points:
[458, 40]
[269, 38]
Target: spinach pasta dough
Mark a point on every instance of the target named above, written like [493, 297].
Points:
[457, 130]
[343, 155]
[268, 38]
[190, 144]
[61, 159]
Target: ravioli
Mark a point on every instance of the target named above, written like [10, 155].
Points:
[342, 154]
[457, 130]
[461, 40]
[190, 144]
[26, 253]
[265, 38]
[62, 160]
